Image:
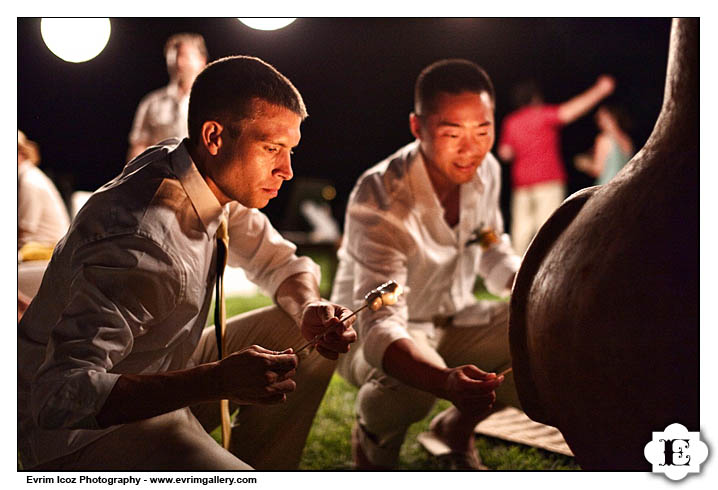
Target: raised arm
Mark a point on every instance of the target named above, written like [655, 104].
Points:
[579, 105]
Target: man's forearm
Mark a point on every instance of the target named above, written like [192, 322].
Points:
[141, 396]
[295, 293]
[403, 361]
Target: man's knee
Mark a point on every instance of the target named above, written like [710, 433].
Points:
[174, 441]
[314, 369]
[269, 327]
[393, 405]
[420, 405]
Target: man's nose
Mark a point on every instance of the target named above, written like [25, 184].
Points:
[469, 144]
[284, 169]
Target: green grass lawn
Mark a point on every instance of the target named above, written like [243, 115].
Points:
[329, 443]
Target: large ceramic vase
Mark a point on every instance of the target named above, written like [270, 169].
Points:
[604, 313]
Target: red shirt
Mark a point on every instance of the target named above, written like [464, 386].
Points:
[533, 133]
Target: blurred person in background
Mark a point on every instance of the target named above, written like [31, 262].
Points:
[162, 113]
[42, 220]
[613, 147]
[530, 141]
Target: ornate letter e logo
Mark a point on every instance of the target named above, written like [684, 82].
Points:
[676, 452]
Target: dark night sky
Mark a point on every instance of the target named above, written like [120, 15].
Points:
[356, 76]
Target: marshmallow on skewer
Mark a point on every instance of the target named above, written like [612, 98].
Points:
[384, 295]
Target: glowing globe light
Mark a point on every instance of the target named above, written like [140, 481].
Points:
[329, 192]
[267, 23]
[75, 40]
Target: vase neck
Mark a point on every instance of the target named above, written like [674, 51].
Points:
[680, 110]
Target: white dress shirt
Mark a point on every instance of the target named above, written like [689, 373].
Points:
[128, 291]
[161, 114]
[395, 229]
[41, 213]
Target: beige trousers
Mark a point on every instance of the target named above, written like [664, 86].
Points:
[531, 206]
[265, 437]
[385, 407]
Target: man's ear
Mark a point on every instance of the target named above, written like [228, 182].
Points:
[171, 59]
[212, 133]
[415, 125]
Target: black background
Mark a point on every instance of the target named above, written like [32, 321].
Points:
[355, 74]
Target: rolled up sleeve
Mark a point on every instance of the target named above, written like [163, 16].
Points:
[121, 287]
[379, 251]
[257, 247]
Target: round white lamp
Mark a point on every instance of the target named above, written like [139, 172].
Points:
[75, 40]
[266, 23]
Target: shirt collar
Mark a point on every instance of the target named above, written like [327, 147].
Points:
[203, 200]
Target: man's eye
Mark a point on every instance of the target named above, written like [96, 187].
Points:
[271, 149]
[451, 135]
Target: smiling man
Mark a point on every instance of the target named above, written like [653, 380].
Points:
[417, 217]
[115, 368]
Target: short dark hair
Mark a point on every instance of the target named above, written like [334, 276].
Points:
[619, 113]
[524, 93]
[224, 91]
[452, 76]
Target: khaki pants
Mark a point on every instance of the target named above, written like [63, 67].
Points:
[386, 407]
[263, 436]
[531, 206]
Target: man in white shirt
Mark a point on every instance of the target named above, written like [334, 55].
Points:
[421, 217]
[115, 368]
[162, 113]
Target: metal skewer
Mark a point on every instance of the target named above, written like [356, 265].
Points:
[386, 294]
[318, 337]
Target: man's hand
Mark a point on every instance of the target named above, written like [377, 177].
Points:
[298, 296]
[322, 317]
[253, 375]
[256, 375]
[471, 390]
